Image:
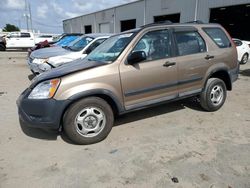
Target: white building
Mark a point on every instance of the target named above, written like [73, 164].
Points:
[234, 15]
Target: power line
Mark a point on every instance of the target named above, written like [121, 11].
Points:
[46, 25]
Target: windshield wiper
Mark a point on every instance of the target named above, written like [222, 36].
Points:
[65, 47]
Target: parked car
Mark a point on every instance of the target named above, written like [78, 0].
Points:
[243, 50]
[65, 39]
[133, 70]
[2, 44]
[248, 42]
[42, 38]
[62, 40]
[45, 59]
[20, 40]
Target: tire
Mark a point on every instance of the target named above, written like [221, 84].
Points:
[214, 95]
[244, 59]
[88, 121]
[2, 47]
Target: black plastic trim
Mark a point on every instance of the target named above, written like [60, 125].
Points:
[40, 113]
[161, 86]
[162, 100]
[98, 92]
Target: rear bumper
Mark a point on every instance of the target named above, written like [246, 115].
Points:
[44, 114]
[234, 73]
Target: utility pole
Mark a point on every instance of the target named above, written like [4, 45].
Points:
[30, 16]
[196, 10]
[26, 15]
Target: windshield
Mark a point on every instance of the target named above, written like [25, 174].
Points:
[110, 49]
[64, 41]
[80, 43]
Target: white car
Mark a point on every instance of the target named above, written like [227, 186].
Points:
[45, 59]
[42, 38]
[243, 50]
[20, 40]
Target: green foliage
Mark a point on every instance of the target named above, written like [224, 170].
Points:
[10, 28]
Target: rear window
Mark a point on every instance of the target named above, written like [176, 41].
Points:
[189, 42]
[218, 36]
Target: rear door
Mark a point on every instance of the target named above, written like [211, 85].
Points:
[155, 79]
[191, 59]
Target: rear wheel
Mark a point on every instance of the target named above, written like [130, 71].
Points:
[214, 95]
[244, 59]
[88, 121]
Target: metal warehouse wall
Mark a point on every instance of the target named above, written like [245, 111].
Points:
[144, 12]
[205, 5]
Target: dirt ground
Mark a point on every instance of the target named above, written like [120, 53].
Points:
[148, 148]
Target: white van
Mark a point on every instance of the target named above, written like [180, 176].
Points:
[20, 40]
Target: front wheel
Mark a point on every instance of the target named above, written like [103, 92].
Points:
[88, 121]
[214, 95]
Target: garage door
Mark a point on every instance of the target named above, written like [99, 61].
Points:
[104, 28]
[235, 19]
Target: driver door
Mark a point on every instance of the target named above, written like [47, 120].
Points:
[153, 80]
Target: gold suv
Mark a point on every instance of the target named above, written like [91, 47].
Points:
[132, 70]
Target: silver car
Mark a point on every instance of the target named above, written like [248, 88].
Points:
[45, 59]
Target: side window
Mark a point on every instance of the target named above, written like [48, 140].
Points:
[189, 43]
[218, 36]
[25, 35]
[155, 44]
[14, 35]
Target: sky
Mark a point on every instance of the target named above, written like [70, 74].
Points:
[47, 15]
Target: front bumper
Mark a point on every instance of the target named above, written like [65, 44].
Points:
[44, 114]
[38, 68]
[33, 66]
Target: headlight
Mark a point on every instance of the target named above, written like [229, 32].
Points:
[45, 90]
[40, 61]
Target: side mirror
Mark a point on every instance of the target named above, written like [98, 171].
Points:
[136, 57]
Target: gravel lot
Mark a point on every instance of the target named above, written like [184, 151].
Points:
[147, 148]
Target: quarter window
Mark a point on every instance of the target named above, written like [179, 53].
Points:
[218, 36]
[189, 43]
[155, 44]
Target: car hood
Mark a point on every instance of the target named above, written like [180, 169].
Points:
[68, 68]
[45, 53]
[60, 60]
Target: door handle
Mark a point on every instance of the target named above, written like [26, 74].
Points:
[169, 64]
[208, 57]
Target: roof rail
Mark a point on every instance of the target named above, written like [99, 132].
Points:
[167, 22]
[196, 22]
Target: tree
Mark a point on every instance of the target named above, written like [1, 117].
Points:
[10, 28]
